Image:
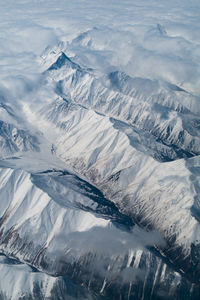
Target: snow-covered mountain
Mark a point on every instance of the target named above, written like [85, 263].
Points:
[99, 162]
[93, 195]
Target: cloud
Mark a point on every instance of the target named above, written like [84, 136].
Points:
[143, 38]
[111, 240]
[107, 248]
[118, 38]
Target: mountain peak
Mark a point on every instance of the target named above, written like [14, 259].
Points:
[63, 60]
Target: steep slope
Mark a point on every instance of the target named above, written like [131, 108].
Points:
[163, 109]
[14, 140]
[21, 281]
[99, 150]
[155, 195]
[123, 161]
[57, 239]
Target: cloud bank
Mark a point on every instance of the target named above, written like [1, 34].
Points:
[151, 39]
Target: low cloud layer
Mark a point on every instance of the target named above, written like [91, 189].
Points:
[111, 241]
[153, 39]
[108, 246]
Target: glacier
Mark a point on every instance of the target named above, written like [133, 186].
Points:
[99, 150]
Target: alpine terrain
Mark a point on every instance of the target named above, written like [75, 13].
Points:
[100, 150]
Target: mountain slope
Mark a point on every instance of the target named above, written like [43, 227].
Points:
[99, 151]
